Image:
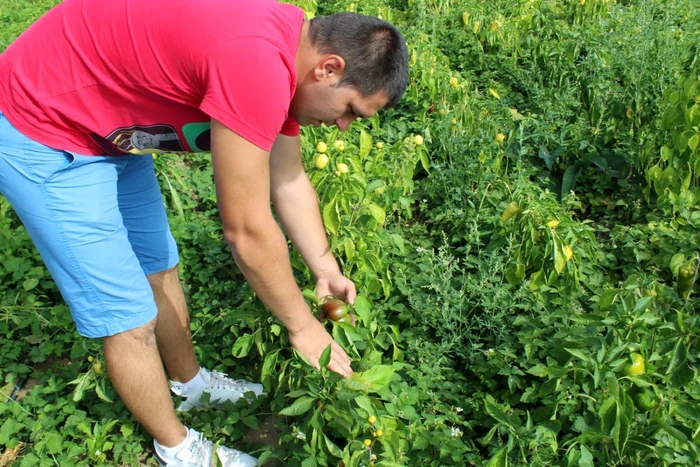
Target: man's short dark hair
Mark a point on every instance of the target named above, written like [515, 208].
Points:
[375, 53]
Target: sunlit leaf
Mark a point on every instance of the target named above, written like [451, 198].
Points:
[500, 459]
[300, 406]
[378, 213]
[363, 308]
[679, 370]
[365, 144]
[325, 357]
[331, 218]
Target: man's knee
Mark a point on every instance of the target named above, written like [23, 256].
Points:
[144, 335]
[165, 274]
[164, 280]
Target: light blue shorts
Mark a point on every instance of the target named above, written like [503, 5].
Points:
[99, 223]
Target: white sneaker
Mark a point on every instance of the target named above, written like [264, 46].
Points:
[199, 452]
[220, 388]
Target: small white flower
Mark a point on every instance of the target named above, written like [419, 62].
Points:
[455, 431]
[98, 453]
[459, 409]
[301, 436]
[373, 457]
[420, 249]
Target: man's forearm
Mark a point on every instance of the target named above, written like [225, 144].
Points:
[297, 208]
[263, 257]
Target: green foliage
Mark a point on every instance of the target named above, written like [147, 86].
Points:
[481, 338]
[679, 156]
[356, 205]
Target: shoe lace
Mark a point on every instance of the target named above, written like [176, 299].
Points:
[223, 382]
[203, 452]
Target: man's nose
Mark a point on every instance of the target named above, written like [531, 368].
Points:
[344, 122]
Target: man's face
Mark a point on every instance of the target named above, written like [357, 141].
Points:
[319, 100]
[334, 105]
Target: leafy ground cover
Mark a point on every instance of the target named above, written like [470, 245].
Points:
[523, 230]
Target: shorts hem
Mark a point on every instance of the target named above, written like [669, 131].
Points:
[160, 266]
[108, 330]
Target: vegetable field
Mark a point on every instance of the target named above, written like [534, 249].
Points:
[524, 233]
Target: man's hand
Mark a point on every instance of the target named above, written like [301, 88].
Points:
[312, 340]
[338, 286]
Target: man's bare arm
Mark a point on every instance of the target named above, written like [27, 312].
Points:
[242, 177]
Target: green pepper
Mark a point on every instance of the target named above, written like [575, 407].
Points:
[685, 280]
[511, 210]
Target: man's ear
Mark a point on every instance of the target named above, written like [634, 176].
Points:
[330, 68]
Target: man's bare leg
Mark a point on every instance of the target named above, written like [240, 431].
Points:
[137, 374]
[173, 328]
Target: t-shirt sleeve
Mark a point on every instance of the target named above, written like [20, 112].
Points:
[248, 87]
[290, 127]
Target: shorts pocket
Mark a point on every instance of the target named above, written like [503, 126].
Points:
[44, 162]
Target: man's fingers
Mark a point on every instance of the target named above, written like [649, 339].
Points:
[338, 352]
[342, 360]
[349, 291]
[351, 294]
[312, 351]
[342, 368]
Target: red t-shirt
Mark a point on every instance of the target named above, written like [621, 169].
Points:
[141, 76]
